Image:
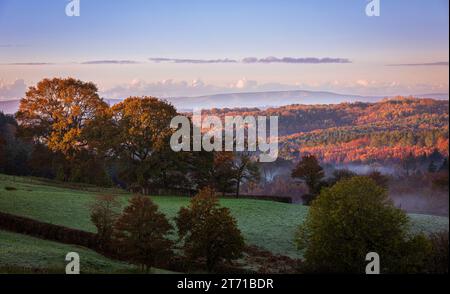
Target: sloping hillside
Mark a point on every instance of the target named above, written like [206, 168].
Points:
[360, 132]
[269, 225]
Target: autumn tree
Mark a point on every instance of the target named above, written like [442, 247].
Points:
[139, 139]
[209, 231]
[202, 164]
[141, 233]
[55, 111]
[223, 172]
[245, 170]
[340, 174]
[104, 215]
[309, 170]
[212, 169]
[355, 217]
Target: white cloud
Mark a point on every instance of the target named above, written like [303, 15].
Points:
[14, 90]
[164, 89]
[171, 88]
[197, 87]
[266, 60]
[363, 83]
[245, 84]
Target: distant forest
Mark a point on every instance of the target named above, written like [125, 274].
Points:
[388, 131]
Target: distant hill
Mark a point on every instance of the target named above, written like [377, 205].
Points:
[440, 96]
[388, 130]
[267, 99]
[255, 99]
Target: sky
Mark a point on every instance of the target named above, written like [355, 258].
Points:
[171, 48]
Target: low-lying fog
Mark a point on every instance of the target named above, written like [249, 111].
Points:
[436, 204]
[414, 194]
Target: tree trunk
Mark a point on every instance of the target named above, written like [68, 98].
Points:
[238, 184]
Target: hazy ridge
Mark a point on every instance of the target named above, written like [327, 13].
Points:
[255, 99]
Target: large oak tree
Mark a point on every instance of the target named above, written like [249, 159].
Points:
[140, 138]
[55, 112]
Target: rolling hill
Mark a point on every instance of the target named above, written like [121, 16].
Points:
[254, 99]
[359, 132]
[267, 224]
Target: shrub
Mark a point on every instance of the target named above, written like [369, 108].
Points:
[351, 219]
[103, 216]
[140, 233]
[208, 230]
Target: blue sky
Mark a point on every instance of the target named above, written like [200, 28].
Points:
[409, 35]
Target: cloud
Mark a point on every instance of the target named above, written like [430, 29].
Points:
[266, 60]
[375, 87]
[247, 60]
[363, 83]
[14, 90]
[197, 87]
[30, 63]
[194, 61]
[244, 84]
[111, 62]
[95, 62]
[164, 89]
[12, 45]
[308, 60]
[439, 63]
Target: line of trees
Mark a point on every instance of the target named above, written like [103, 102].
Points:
[142, 234]
[64, 130]
[309, 170]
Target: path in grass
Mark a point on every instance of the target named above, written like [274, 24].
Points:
[267, 224]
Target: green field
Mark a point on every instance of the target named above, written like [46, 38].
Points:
[20, 253]
[270, 225]
[25, 254]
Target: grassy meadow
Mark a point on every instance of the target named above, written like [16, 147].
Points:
[267, 224]
[25, 254]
